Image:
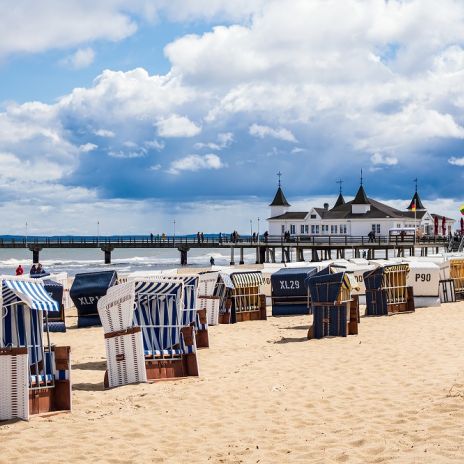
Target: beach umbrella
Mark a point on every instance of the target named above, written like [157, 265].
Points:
[461, 208]
[435, 226]
[443, 226]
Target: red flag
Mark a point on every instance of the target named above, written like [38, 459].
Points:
[413, 206]
[435, 226]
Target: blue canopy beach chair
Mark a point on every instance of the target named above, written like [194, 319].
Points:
[34, 375]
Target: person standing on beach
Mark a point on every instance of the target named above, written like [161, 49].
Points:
[19, 270]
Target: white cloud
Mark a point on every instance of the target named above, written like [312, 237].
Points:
[224, 140]
[196, 163]
[177, 126]
[87, 147]
[456, 161]
[104, 133]
[127, 154]
[155, 167]
[80, 59]
[155, 144]
[265, 131]
[378, 158]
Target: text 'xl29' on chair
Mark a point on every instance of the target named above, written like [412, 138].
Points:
[85, 292]
[387, 292]
[335, 313]
[34, 375]
[144, 336]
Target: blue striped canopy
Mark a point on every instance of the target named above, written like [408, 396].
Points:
[30, 293]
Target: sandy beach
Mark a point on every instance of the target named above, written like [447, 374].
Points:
[394, 393]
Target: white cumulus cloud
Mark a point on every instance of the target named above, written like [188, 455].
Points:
[80, 59]
[456, 161]
[379, 158]
[177, 126]
[265, 131]
[196, 163]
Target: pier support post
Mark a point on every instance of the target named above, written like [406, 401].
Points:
[183, 250]
[314, 255]
[386, 253]
[283, 255]
[107, 250]
[241, 257]
[299, 254]
[288, 255]
[232, 258]
[36, 249]
[273, 254]
[257, 255]
[267, 255]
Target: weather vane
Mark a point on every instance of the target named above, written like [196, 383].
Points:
[279, 175]
[340, 182]
[415, 181]
[361, 177]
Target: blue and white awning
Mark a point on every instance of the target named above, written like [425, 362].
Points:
[30, 293]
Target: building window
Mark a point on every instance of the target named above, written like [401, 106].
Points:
[302, 229]
[343, 228]
[292, 229]
[313, 216]
[325, 229]
[315, 229]
[333, 229]
[283, 229]
[376, 228]
[306, 229]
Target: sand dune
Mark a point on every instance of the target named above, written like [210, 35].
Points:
[394, 393]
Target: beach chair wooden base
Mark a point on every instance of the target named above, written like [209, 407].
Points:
[354, 316]
[446, 291]
[26, 401]
[333, 325]
[202, 339]
[259, 314]
[201, 336]
[401, 308]
[166, 369]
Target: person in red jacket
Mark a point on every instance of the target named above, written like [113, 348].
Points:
[19, 270]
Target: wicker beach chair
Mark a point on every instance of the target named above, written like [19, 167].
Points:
[387, 292]
[86, 290]
[144, 335]
[34, 375]
[335, 312]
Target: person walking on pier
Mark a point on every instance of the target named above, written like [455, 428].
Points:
[202, 238]
[211, 261]
[19, 270]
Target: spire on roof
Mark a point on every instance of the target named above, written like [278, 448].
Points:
[416, 199]
[361, 197]
[340, 200]
[279, 198]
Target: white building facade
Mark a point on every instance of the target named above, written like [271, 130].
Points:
[358, 217]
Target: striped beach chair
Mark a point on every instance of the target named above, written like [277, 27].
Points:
[56, 321]
[248, 304]
[34, 375]
[144, 334]
[335, 314]
[207, 299]
[387, 292]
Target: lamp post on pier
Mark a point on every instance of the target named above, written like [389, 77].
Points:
[258, 230]
[26, 233]
[251, 230]
[174, 237]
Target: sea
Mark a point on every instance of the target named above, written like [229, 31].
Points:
[74, 261]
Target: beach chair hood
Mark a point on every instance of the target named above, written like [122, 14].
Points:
[32, 294]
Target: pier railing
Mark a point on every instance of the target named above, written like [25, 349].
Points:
[147, 241]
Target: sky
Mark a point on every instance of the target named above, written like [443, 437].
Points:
[133, 115]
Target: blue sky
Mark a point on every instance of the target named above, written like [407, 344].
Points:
[161, 110]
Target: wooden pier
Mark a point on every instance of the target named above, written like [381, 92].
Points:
[299, 248]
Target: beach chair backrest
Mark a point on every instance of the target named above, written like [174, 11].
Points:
[246, 290]
[24, 304]
[158, 311]
[394, 282]
[116, 308]
[457, 274]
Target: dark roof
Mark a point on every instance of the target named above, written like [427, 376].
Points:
[279, 199]
[291, 215]
[377, 211]
[340, 201]
[417, 201]
[361, 197]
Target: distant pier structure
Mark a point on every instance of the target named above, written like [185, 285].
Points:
[269, 248]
